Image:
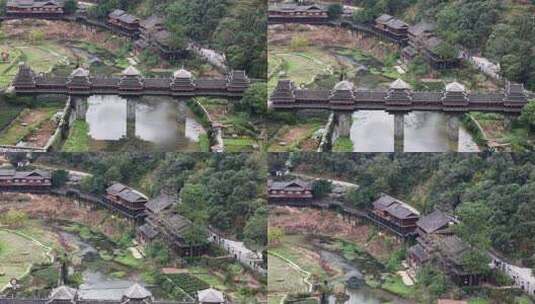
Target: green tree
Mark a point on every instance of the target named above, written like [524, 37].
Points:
[36, 35]
[528, 115]
[334, 11]
[474, 226]
[255, 231]
[196, 235]
[254, 100]
[321, 187]
[275, 235]
[59, 178]
[14, 218]
[70, 6]
[158, 251]
[299, 42]
[446, 51]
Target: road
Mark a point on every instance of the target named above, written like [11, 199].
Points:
[240, 252]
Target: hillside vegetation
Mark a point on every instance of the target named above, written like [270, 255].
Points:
[236, 28]
[502, 30]
[225, 191]
[496, 190]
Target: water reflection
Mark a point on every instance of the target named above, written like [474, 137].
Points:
[373, 131]
[106, 117]
[117, 123]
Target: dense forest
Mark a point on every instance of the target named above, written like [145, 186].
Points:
[235, 27]
[495, 193]
[504, 31]
[225, 191]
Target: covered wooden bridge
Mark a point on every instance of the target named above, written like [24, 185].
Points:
[398, 98]
[130, 83]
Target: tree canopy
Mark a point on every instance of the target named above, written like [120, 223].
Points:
[492, 193]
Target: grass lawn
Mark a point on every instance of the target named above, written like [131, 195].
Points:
[478, 301]
[283, 279]
[394, 284]
[523, 300]
[343, 144]
[32, 119]
[204, 143]
[293, 248]
[127, 259]
[301, 67]
[204, 274]
[238, 144]
[78, 140]
[42, 58]
[290, 138]
[17, 256]
[8, 113]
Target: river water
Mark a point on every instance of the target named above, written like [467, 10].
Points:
[97, 283]
[359, 266]
[160, 123]
[373, 131]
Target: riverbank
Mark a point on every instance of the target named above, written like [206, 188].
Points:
[322, 244]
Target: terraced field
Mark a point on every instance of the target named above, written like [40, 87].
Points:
[17, 255]
[283, 279]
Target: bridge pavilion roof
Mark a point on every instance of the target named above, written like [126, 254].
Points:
[455, 87]
[80, 72]
[63, 293]
[399, 84]
[182, 73]
[137, 292]
[131, 71]
[210, 295]
[344, 85]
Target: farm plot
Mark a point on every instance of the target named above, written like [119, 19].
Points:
[17, 255]
[283, 279]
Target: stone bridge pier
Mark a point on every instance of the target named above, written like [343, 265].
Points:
[131, 117]
[80, 106]
[454, 122]
[344, 121]
[399, 131]
[181, 115]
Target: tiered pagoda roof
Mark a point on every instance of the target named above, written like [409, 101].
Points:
[25, 78]
[284, 92]
[182, 81]
[131, 79]
[342, 93]
[399, 93]
[79, 79]
[455, 95]
[514, 94]
[237, 81]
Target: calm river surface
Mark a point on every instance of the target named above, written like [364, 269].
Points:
[160, 123]
[373, 131]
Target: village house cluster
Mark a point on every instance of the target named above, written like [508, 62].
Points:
[432, 234]
[35, 180]
[415, 40]
[49, 9]
[148, 34]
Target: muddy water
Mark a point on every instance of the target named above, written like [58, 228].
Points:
[373, 131]
[362, 265]
[160, 124]
[97, 284]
